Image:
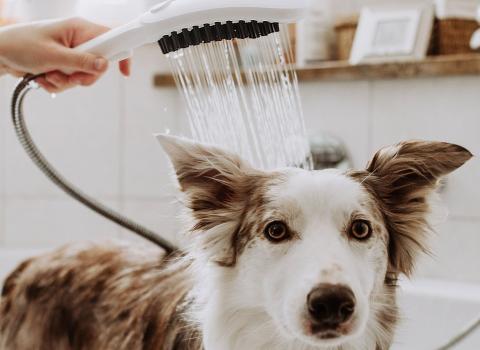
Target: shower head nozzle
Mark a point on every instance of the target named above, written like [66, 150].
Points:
[217, 32]
[178, 24]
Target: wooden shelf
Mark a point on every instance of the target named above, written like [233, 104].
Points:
[434, 66]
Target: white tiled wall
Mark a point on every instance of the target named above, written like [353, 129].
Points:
[39, 222]
[101, 138]
[340, 109]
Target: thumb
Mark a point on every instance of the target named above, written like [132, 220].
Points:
[70, 61]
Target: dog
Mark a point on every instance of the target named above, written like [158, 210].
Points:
[284, 259]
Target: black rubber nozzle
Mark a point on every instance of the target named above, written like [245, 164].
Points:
[217, 32]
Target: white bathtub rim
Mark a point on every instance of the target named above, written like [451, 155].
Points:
[443, 289]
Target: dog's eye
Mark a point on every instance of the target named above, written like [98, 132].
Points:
[277, 232]
[361, 230]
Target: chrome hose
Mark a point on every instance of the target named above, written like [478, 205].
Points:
[462, 335]
[37, 157]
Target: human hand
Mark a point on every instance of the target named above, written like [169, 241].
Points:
[46, 47]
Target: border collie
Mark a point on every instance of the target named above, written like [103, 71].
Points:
[285, 259]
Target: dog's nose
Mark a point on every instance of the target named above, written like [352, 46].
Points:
[330, 305]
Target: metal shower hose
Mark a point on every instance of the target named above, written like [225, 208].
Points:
[37, 157]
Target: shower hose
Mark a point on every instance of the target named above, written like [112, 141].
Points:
[37, 157]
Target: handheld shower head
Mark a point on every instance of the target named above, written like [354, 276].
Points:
[181, 23]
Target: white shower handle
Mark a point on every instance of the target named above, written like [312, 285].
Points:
[175, 15]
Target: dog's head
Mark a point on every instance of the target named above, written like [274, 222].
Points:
[316, 251]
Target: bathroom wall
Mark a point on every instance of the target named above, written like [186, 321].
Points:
[101, 139]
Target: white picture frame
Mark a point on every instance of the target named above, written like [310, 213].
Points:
[393, 33]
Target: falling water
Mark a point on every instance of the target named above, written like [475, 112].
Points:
[243, 95]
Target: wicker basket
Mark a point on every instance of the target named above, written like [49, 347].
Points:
[345, 30]
[452, 36]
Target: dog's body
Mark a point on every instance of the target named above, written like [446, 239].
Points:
[279, 260]
[96, 297]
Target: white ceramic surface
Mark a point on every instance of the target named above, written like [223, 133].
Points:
[33, 10]
[111, 13]
[434, 311]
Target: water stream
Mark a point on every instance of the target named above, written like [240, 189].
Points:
[242, 95]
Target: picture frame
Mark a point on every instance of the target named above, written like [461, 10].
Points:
[393, 33]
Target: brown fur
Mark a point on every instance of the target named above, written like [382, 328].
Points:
[401, 178]
[221, 188]
[97, 297]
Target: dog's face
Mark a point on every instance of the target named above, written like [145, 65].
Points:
[317, 255]
[313, 250]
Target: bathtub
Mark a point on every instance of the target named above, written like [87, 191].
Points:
[432, 311]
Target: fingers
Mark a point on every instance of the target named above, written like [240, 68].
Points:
[83, 79]
[57, 79]
[84, 68]
[56, 82]
[42, 81]
[83, 31]
[68, 60]
[74, 31]
[51, 50]
[125, 67]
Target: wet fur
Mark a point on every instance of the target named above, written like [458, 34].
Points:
[118, 297]
[97, 297]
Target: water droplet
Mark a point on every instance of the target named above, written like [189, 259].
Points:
[167, 131]
[53, 96]
[34, 84]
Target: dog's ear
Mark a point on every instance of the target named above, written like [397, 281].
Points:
[216, 185]
[402, 177]
[210, 177]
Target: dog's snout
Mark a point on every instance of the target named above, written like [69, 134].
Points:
[330, 305]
